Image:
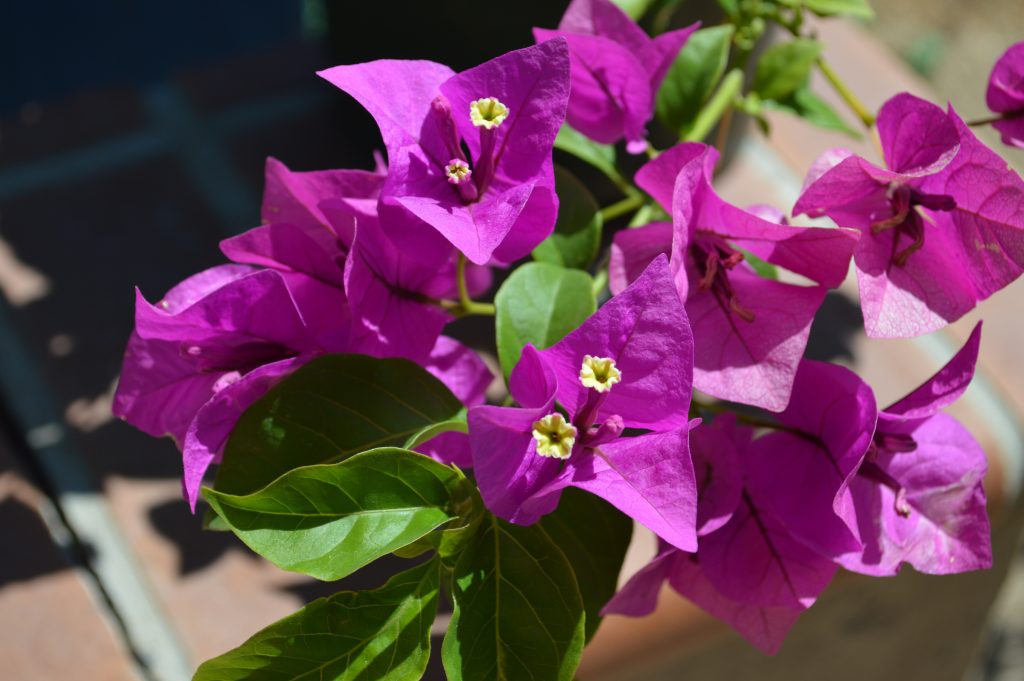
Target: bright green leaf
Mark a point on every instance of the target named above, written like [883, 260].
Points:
[635, 8]
[601, 156]
[594, 536]
[850, 8]
[693, 77]
[213, 522]
[785, 67]
[539, 303]
[762, 267]
[456, 425]
[811, 108]
[577, 235]
[449, 540]
[382, 635]
[328, 521]
[648, 213]
[328, 410]
[518, 613]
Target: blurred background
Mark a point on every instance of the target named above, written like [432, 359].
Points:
[132, 139]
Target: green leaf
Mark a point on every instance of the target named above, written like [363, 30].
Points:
[449, 540]
[693, 77]
[731, 7]
[577, 235]
[762, 267]
[601, 156]
[785, 67]
[539, 303]
[328, 410]
[518, 613]
[850, 8]
[648, 213]
[594, 536]
[213, 522]
[380, 634]
[328, 521]
[811, 108]
[635, 8]
[457, 425]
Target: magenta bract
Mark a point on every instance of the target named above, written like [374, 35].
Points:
[748, 342]
[644, 331]
[1005, 95]
[616, 70]
[941, 229]
[496, 203]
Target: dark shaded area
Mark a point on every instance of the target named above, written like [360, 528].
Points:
[370, 577]
[837, 322]
[27, 551]
[197, 549]
[50, 48]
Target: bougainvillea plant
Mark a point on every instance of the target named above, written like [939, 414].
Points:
[314, 370]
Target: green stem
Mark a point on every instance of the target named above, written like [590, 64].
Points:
[623, 207]
[995, 119]
[851, 99]
[757, 422]
[467, 305]
[600, 282]
[716, 107]
[460, 270]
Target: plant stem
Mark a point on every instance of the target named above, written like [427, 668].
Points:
[716, 107]
[623, 207]
[467, 305]
[851, 99]
[460, 270]
[757, 422]
[600, 282]
[722, 138]
[995, 119]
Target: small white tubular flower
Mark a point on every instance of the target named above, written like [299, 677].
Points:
[457, 171]
[599, 373]
[554, 436]
[487, 113]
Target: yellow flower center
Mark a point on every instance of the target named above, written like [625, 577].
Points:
[487, 112]
[457, 171]
[599, 373]
[554, 436]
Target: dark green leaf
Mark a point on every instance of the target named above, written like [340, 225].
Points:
[851, 8]
[382, 635]
[785, 67]
[811, 108]
[539, 303]
[328, 521]
[601, 156]
[328, 410]
[594, 536]
[577, 234]
[693, 77]
[518, 613]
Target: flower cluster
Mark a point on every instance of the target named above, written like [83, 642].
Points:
[757, 496]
